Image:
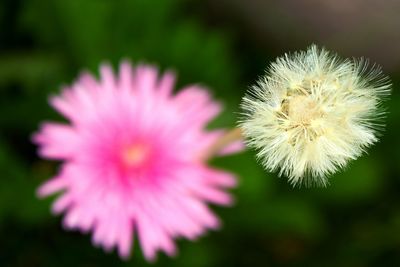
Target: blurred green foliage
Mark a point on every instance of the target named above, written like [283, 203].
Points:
[45, 43]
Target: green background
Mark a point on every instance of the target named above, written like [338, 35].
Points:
[45, 43]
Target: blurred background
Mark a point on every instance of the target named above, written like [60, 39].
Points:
[226, 45]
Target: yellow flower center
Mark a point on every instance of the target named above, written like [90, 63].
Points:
[135, 155]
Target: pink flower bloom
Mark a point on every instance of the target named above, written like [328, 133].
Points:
[132, 160]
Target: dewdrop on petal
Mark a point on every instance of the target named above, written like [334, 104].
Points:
[312, 113]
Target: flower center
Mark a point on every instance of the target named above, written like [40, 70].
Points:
[302, 110]
[135, 155]
[301, 114]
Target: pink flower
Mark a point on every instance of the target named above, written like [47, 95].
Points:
[132, 160]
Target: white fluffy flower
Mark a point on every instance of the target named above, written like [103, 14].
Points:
[313, 112]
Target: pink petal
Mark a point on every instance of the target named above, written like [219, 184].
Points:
[125, 76]
[125, 239]
[196, 105]
[62, 203]
[166, 84]
[57, 141]
[52, 186]
[107, 77]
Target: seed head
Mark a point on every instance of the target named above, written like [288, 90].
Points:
[313, 112]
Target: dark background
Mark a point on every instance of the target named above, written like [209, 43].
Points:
[225, 45]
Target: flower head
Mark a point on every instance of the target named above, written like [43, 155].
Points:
[132, 159]
[312, 113]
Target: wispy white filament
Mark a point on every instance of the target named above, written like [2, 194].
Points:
[312, 112]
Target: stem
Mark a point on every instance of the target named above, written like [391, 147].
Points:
[223, 141]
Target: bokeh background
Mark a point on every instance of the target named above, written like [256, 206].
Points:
[226, 45]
